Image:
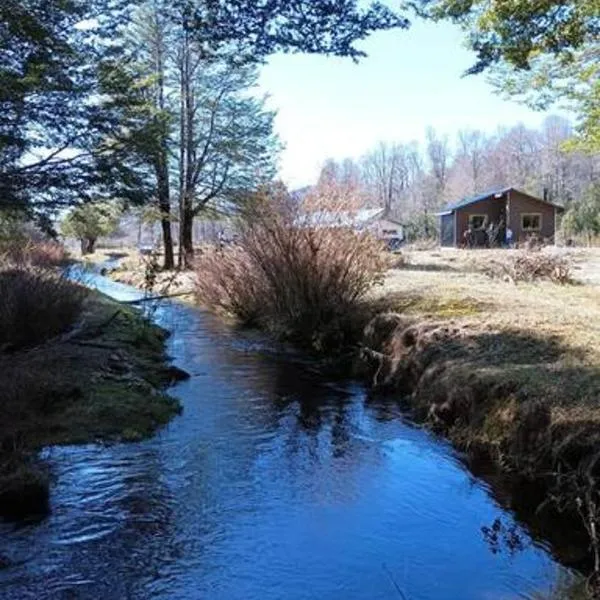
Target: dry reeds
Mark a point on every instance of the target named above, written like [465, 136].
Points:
[298, 272]
[35, 305]
[45, 254]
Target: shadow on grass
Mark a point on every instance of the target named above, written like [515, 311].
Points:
[116, 255]
[429, 267]
[511, 347]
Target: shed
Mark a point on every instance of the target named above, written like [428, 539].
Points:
[506, 208]
[375, 220]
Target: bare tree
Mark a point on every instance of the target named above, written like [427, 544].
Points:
[414, 182]
[226, 142]
[438, 153]
[472, 154]
[386, 172]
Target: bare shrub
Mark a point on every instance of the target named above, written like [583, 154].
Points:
[21, 242]
[46, 253]
[36, 305]
[531, 266]
[300, 275]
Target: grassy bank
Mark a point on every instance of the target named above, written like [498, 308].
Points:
[511, 368]
[101, 380]
[508, 372]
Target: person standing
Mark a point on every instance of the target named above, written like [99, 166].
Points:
[509, 237]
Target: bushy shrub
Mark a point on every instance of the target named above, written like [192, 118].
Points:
[36, 305]
[22, 243]
[87, 222]
[291, 274]
[422, 228]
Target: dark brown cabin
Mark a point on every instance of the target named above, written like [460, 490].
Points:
[508, 208]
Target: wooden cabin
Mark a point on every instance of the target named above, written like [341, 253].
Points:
[508, 208]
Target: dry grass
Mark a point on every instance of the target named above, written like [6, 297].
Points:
[450, 284]
[25, 252]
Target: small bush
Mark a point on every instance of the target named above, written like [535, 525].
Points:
[23, 243]
[422, 230]
[532, 266]
[36, 305]
[292, 276]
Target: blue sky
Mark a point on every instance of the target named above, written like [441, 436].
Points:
[331, 107]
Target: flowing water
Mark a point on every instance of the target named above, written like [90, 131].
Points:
[276, 483]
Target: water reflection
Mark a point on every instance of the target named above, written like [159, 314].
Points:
[276, 482]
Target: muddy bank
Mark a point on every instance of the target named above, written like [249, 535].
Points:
[102, 382]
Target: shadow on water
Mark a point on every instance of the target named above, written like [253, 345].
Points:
[276, 482]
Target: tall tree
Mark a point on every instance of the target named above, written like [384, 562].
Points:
[541, 52]
[148, 42]
[386, 172]
[226, 141]
[472, 152]
[52, 128]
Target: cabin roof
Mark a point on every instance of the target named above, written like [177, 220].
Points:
[450, 208]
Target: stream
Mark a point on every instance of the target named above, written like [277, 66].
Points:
[276, 483]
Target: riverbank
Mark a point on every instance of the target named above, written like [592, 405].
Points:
[130, 267]
[103, 382]
[508, 372]
[509, 369]
[482, 357]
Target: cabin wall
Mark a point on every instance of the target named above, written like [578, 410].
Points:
[447, 230]
[521, 204]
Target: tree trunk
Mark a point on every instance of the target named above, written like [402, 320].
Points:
[164, 205]
[161, 164]
[169, 262]
[88, 246]
[186, 151]
[187, 241]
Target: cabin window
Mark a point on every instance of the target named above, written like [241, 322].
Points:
[477, 221]
[531, 222]
[390, 232]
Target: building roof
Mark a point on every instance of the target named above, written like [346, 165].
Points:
[500, 191]
[323, 218]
